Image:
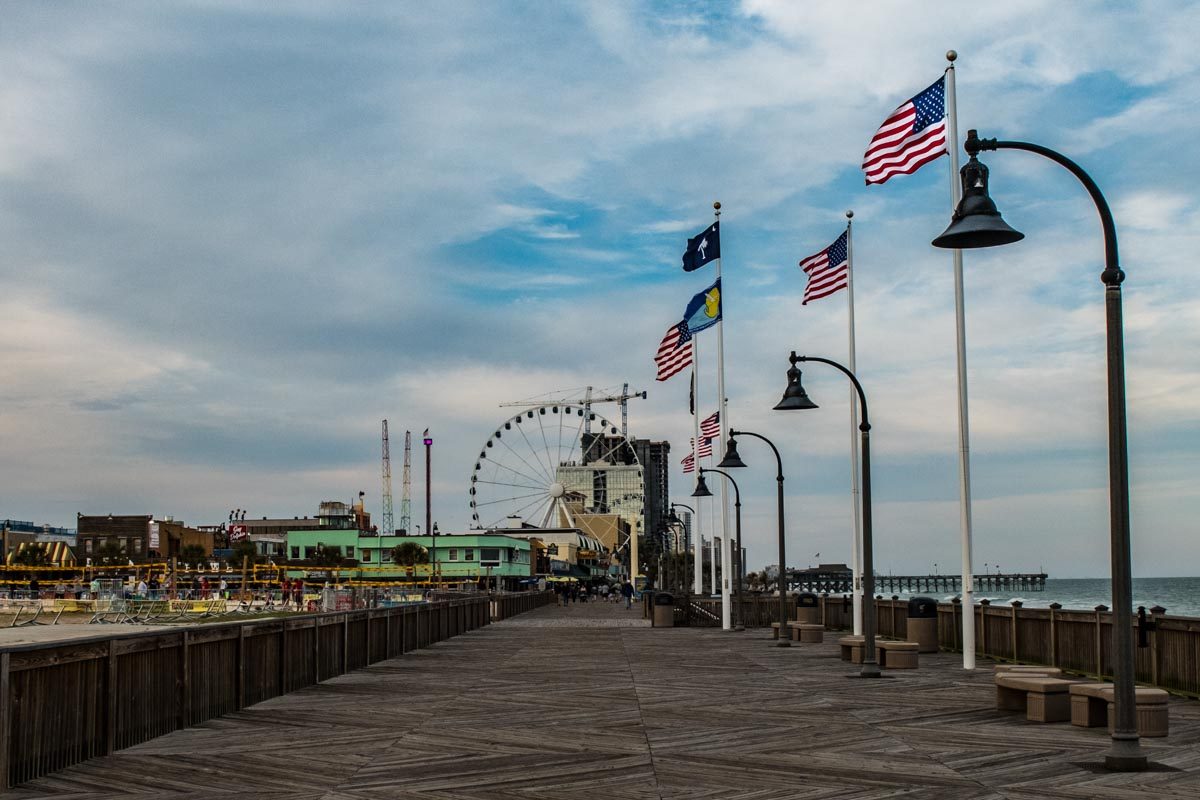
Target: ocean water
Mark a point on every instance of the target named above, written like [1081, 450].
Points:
[1180, 596]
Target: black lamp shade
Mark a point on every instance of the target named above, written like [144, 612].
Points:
[976, 222]
[794, 396]
[731, 460]
[701, 487]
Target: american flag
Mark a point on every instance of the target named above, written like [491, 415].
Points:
[705, 447]
[674, 351]
[689, 463]
[911, 137]
[711, 427]
[828, 270]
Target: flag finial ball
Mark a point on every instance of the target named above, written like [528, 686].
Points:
[717, 205]
[849, 214]
[951, 55]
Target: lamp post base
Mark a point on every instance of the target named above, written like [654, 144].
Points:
[739, 628]
[870, 669]
[1125, 755]
[783, 643]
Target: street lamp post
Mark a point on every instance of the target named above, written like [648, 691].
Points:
[977, 223]
[429, 510]
[795, 398]
[737, 506]
[733, 461]
[674, 519]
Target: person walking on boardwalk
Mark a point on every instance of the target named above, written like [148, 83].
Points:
[286, 592]
[627, 593]
[298, 593]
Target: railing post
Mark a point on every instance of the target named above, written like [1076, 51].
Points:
[283, 659]
[1054, 634]
[345, 643]
[185, 683]
[240, 694]
[1099, 646]
[1016, 605]
[110, 699]
[982, 626]
[316, 650]
[5, 720]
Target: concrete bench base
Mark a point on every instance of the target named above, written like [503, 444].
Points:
[1042, 699]
[897, 655]
[1092, 706]
[851, 649]
[808, 632]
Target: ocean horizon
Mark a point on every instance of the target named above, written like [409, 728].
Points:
[1180, 596]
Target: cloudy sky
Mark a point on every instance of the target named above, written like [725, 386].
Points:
[237, 235]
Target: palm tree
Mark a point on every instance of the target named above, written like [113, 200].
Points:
[409, 554]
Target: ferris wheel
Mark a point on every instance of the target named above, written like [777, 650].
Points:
[551, 461]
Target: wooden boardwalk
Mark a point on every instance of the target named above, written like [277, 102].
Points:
[586, 702]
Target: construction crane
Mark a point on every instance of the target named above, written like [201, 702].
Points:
[388, 527]
[568, 396]
[406, 486]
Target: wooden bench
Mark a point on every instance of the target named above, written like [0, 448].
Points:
[851, 649]
[897, 655]
[1092, 706]
[774, 630]
[1027, 669]
[1042, 699]
[809, 632]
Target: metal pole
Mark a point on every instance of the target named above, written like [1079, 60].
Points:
[870, 667]
[856, 590]
[1126, 753]
[429, 511]
[964, 432]
[737, 507]
[783, 638]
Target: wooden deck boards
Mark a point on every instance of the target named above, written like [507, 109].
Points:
[586, 702]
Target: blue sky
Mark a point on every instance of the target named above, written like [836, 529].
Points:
[238, 235]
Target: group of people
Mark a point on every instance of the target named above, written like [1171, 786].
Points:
[583, 593]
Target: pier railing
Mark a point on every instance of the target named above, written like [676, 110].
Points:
[1167, 654]
[65, 702]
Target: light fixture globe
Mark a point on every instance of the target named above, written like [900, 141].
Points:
[976, 222]
[731, 460]
[701, 489]
[794, 396]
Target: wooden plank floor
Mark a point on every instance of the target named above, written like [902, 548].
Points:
[586, 702]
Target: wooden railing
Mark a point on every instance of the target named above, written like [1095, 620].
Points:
[1079, 641]
[510, 605]
[65, 702]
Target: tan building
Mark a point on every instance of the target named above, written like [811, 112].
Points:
[140, 537]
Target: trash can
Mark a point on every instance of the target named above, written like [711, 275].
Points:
[808, 608]
[647, 603]
[922, 624]
[664, 610]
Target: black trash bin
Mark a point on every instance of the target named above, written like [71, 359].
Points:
[922, 624]
[664, 610]
[808, 608]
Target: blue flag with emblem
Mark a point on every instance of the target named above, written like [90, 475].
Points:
[703, 248]
[704, 310]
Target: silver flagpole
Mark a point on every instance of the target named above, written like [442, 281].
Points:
[697, 538]
[723, 422]
[964, 436]
[856, 545]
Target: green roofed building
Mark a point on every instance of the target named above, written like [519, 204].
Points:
[460, 557]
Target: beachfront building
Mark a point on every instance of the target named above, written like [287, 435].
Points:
[460, 557]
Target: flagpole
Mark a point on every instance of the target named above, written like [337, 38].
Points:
[964, 437]
[856, 545]
[723, 422]
[697, 538]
